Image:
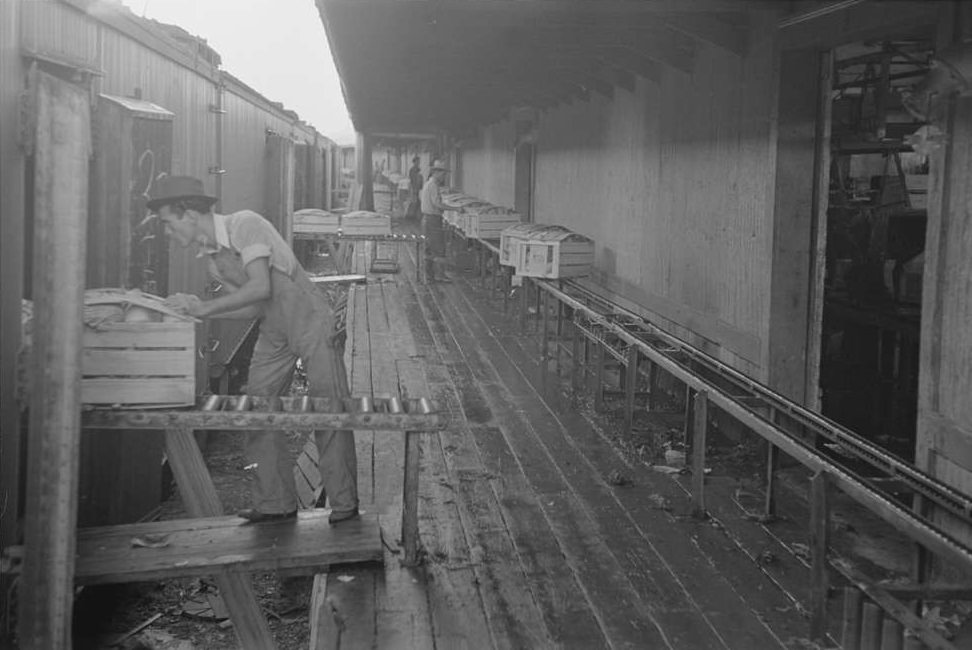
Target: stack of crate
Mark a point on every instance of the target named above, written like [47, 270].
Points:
[541, 251]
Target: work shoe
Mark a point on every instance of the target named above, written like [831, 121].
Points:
[254, 516]
[337, 517]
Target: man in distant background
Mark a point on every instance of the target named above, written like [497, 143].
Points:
[432, 208]
[415, 180]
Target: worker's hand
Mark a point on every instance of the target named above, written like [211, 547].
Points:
[185, 303]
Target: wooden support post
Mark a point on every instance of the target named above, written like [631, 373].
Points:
[560, 311]
[560, 336]
[689, 411]
[524, 301]
[12, 257]
[892, 634]
[200, 499]
[772, 464]
[410, 533]
[819, 540]
[481, 260]
[700, 427]
[544, 337]
[921, 558]
[61, 147]
[575, 337]
[536, 305]
[630, 383]
[420, 261]
[326, 625]
[850, 625]
[871, 626]
[365, 173]
[599, 375]
[652, 386]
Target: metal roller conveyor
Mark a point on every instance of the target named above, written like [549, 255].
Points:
[247, 412]
[747, 401]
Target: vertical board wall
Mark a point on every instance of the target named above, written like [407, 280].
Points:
[674, 182]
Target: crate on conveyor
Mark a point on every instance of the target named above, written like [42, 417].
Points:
[548, 251]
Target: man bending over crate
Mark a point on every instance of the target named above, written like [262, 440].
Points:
[263, 279]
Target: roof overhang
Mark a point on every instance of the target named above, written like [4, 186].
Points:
[428, 66]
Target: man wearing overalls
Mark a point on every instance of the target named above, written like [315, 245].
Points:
[263, 279]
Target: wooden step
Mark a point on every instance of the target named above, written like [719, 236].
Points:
[195, 547]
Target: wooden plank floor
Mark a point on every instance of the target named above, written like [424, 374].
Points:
[526, 543]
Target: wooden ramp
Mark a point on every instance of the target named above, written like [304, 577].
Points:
[195, 547]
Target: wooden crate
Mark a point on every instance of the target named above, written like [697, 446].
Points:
[490, 225]
[139, 363]
[316, 222]
[364, 222]
[511, 237]
[554, 253]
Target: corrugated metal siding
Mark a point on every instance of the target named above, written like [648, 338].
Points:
[54, 29]
[134, 69]
[673, 182]
[245, 126]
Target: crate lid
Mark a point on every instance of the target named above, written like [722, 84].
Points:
[557, 233]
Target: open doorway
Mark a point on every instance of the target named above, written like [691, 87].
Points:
[875, 223]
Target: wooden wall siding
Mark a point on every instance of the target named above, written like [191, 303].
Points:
[673, 181]
[487, 167]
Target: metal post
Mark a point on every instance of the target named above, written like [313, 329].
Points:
[819, 540]
[630, 382]
[772, 464]
[599, 355]
[544, 336]
[574, 349]
[524, 301]
[699, 431]
[652, 386]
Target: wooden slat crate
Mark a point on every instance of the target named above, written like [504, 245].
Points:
[511, 237]
[554, 254]
[139, 363]
[314, 221]
[363, 222]
[489, 225]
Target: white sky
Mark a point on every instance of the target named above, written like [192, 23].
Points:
[277, 47]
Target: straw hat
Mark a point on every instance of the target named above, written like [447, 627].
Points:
[438, 165]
